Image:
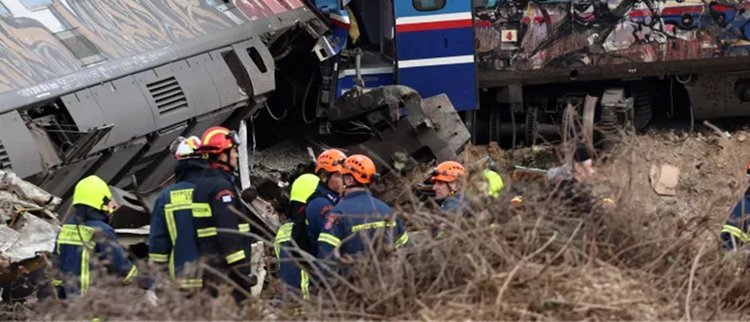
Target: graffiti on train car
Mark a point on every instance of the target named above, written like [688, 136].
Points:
[525, 35]
[76, 34]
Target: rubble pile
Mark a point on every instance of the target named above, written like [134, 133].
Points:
[28, 223]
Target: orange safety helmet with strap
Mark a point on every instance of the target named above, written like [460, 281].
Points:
[218, 139]
[330, 160]
[448, 171]
[360, 167]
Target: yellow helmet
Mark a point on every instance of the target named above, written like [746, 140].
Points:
[303, 187]
[92, 191]
[494, 181]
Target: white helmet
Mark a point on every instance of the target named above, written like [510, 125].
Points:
[187, 147]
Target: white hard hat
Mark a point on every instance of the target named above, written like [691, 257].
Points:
[187, 147]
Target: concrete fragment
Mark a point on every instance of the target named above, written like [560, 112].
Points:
[664, 179]
[11, 183]
[258, 267]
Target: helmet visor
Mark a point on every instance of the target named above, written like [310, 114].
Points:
[234, 137]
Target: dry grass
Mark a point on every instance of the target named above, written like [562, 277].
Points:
[649, 257]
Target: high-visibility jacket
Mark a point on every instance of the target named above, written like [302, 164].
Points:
[172, 237]
[289, 271]
[359, 214]
[85, 244]
[494, 183]
[217, 226]
[318, 206]
[735, 231]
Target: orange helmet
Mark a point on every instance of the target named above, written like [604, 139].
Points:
[448, 171]
[218, 139]
[360, 167]
[330, 160]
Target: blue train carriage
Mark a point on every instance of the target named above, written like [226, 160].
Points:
[426, 45]
[513, 66]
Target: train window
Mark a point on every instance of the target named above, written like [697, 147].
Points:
[34, 4]
[428, 5]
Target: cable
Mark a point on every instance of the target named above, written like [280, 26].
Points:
[683, 82]
[304, 102]
[278, 119]
[671, 98]
[252, 156]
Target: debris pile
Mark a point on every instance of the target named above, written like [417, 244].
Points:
[28, 223]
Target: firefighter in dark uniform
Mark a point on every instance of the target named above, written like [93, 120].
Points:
[326, 195]
[734, 233]
[172, 237]
[286, 247]
[357, 217]
[87, 241]
[215, 206]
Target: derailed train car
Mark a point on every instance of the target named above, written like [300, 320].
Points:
[672, 58]
[105, 86]
[514, 66]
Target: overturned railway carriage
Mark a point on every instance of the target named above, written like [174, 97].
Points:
[89, 86]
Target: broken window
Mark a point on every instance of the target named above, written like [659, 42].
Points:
[428, 5]
[80, 46]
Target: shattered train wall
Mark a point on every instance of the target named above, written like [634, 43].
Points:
[60, 37]
[526, 35]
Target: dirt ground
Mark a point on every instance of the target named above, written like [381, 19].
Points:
[649, 257]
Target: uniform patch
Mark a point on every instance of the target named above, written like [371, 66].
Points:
[331, 219]
[225, 196]
[325, 210]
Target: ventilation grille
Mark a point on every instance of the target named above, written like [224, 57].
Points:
[168, 95]
[4, 159]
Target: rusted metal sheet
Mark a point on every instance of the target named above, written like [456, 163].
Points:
[68, 36]
[526, 36]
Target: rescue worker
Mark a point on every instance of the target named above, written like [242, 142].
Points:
[172, 236]
[447, 186]
[494, 183]
[285, 245]
[571, 182]
[215, 198]
[328, 169]
[735, 230]
[355, 219]
[86, 241]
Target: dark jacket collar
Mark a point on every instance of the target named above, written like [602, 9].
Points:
[190, 170]
[85, 213]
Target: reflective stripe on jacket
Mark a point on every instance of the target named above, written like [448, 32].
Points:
[83, 243]
[289, 271]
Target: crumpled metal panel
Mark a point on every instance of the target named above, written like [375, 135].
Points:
[27, 223]
[33, 235]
